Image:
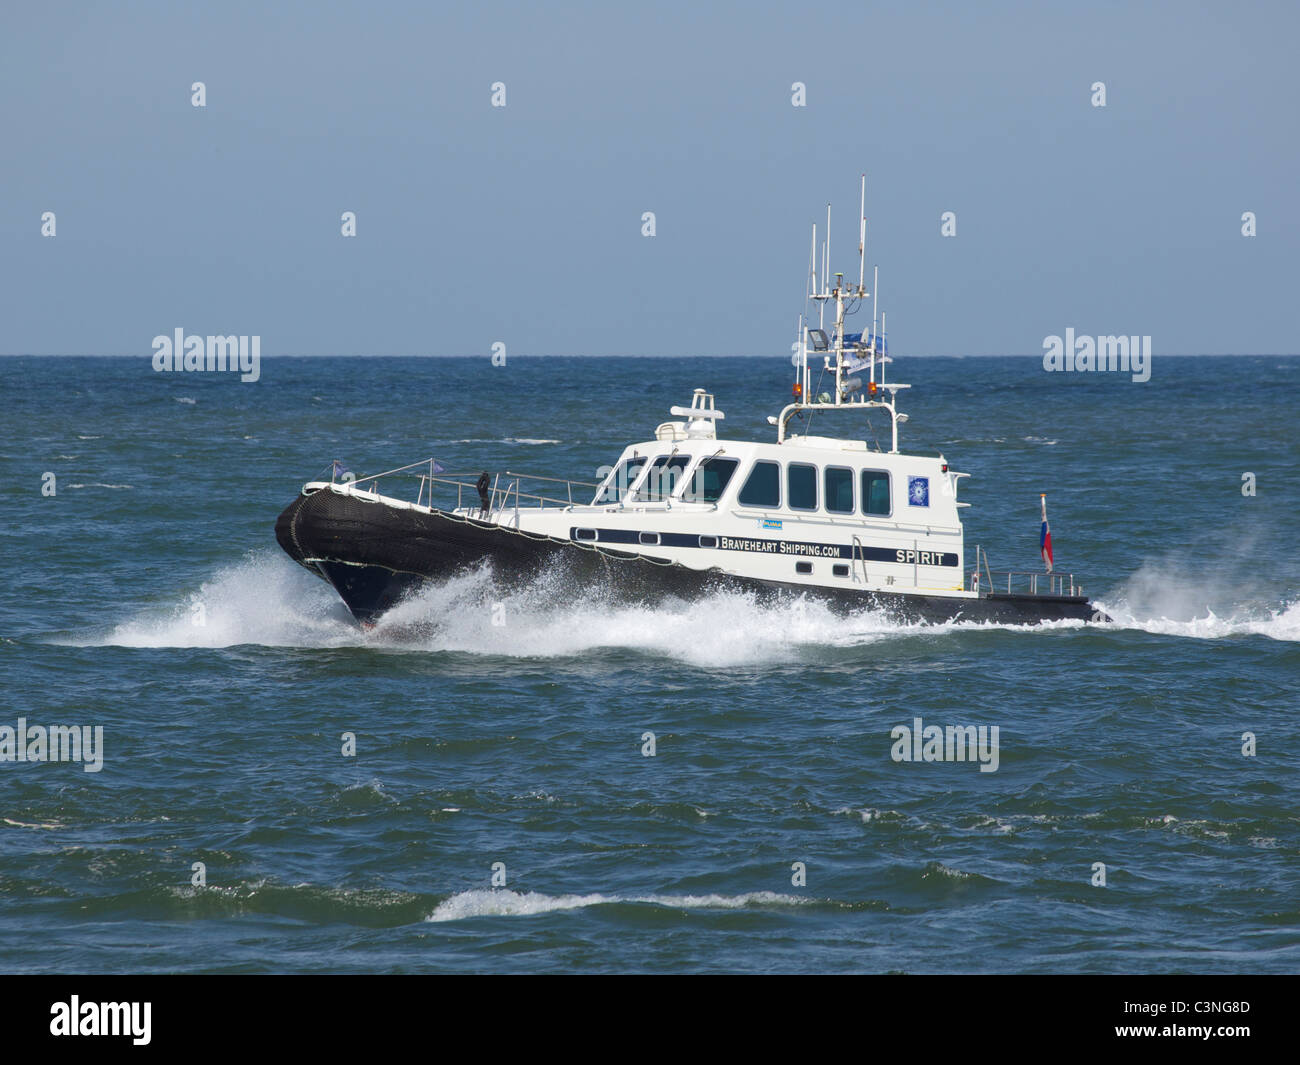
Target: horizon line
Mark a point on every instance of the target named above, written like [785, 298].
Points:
[593, 355]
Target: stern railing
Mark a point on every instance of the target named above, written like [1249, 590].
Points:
[1019, 582]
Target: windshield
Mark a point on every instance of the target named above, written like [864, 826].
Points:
[709, 480]
[616, 488]
[665, 473]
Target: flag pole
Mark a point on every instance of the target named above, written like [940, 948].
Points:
[1045, 537]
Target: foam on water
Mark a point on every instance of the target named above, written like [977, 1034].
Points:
[265, 599]
[505, 903]
[529, 440]
[1211, 602]
[1282, 623]
[552, 621]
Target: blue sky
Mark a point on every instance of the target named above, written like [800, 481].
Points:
[523, 224]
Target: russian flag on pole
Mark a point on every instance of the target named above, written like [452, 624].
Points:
[1045, 538]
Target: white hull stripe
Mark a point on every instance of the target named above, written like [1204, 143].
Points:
[794, 548]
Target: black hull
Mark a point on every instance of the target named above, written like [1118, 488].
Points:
[374, 555]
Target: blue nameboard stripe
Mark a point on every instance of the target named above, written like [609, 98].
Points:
[790, 548]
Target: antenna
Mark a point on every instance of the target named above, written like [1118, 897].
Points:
[875, 285]
[862, 236]
[813, 256]
[882, 360]
[821, 306]
[825, 275]
[799, 346]
[801, 367]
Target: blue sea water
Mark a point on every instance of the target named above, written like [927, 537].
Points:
[521, 743]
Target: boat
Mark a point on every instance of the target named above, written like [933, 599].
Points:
[686, 512]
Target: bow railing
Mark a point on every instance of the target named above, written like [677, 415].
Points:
[430, 483]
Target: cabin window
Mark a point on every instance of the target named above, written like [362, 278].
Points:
[617, 487]
[662, 478]
[584, 534]
[763, 488]
[649, 538]
[710, 480]
[839, 490]
[875, 493]
[840, 570]
[801, 486]
[708, 541]
[803, 567]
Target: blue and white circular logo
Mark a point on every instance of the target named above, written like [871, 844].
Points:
[918, 491]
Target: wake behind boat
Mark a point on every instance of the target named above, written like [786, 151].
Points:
[686, 512]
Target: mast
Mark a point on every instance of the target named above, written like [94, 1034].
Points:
[850, 390]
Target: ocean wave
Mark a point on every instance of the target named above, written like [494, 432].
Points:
[260, 600]
[506, 903]
[267, 600]
[549, 621]
[1210, 602]
[1282, 624]
[30, 824]
[530, 441]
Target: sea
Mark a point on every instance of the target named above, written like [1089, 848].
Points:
[556, 781]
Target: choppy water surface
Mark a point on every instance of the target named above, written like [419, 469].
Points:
[521, 743]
